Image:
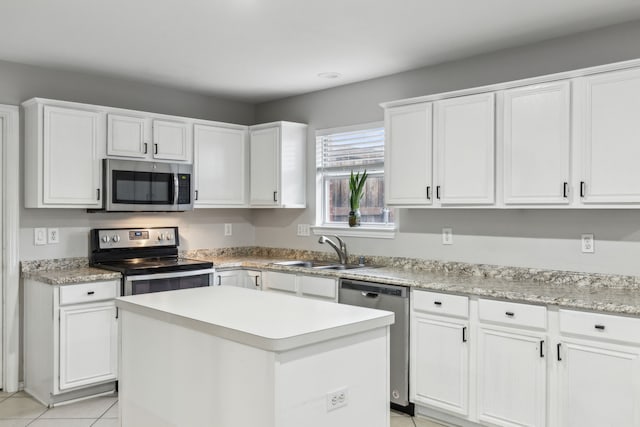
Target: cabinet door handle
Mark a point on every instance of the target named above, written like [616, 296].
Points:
[541, 348]
[438, 192]
[509, 313]
[117, 312]
[98, 193]
[145, 148]
[256, 277]
[437, 302]
[90, 292]
[565, 190]
[464, 334]
[219, 280]
[428, 192]
[558, 350]
[583, 189]
[196, 198]
[155, 148]
[275, 196]
[599, 327]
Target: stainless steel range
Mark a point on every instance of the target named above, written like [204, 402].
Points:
[148, 259]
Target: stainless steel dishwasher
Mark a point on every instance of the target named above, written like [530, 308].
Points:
[391, 298]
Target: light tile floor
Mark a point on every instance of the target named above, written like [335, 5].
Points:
[20, 410]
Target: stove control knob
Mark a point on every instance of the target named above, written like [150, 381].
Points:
[115, 238]
[105, 239]
[160, 236]
[169, 236]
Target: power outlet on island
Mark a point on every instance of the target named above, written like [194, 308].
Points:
[228, 229]
[447, 236]
[588, 244]
[337, 399]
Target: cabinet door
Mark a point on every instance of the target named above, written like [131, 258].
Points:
[464, 138]
[126, 136]
[88, 344]
[279, 282]
[71, 163]
[610, 131]
[265, 167]
[253, 279]
[229, 278]
[323, 288]
[170, 140]
[440, 363]
[511, 378]
[220, 166]
[408, 152]
[536, 143]
[598, 385]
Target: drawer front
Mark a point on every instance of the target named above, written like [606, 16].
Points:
[436, 303]
[596, 325]
[89, 292]
[319, 286]
[513, 314]
[280, 281]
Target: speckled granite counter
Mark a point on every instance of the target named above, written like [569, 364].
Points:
[65, 271]
[594, 292]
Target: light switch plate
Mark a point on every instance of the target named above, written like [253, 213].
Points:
[39, 236]
[588, 244]
[53, 235]
[447, 236]
[228, 229]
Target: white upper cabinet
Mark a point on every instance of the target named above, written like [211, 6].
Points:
[62, 156]
[170, 140]
[278, 165]
[408, 155]
[464, 140]
[220, 166]
[536, 137]
[608, 128]
[143, 137]
[127, 136]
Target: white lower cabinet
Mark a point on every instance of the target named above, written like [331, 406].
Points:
[440, 352]
[251, 279]
[70, 340]
[598, 371]
[323, 288]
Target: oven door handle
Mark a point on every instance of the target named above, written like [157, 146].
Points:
[176, 189]
[169, 275]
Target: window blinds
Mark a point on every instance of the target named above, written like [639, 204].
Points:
[351, 150]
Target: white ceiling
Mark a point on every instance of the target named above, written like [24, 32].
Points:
[258, 50]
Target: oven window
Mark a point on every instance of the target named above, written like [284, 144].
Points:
[169, 284]
[142, 187]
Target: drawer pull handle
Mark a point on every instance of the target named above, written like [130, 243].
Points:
[565, 189]
[437, 302]
[509, 313]
[600, 327]
[90, 292]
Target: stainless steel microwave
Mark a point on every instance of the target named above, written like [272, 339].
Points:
[131, 185]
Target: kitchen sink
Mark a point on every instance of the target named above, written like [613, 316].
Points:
[319, 265]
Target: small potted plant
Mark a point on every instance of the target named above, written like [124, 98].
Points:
[356, 186]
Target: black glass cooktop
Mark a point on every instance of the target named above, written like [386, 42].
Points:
[138, 266]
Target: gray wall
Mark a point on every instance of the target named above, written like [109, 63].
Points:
[535, 238]
[199, 229]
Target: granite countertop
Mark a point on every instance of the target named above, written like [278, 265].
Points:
[594, 292]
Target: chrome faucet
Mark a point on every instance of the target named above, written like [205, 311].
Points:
[341, 251]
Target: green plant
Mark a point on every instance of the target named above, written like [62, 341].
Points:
[356, 186]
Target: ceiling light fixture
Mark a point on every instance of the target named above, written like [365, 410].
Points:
[329, 75]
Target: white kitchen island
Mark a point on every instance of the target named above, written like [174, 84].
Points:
[232, 357]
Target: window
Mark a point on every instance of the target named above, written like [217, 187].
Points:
[340, 151]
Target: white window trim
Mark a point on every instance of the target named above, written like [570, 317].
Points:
[378, 231]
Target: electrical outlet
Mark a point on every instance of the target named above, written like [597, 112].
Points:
[39, 236]
[588, 244]
[337, 399]
[53, 236]
[303, 230]
[447, 236]
[228, 229]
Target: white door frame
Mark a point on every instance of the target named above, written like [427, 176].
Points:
[10, 262]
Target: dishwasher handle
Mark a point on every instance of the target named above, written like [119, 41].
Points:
[370, 294]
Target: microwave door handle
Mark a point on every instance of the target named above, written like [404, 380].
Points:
[176, 189]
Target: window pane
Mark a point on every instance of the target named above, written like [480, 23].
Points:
[371, 205]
